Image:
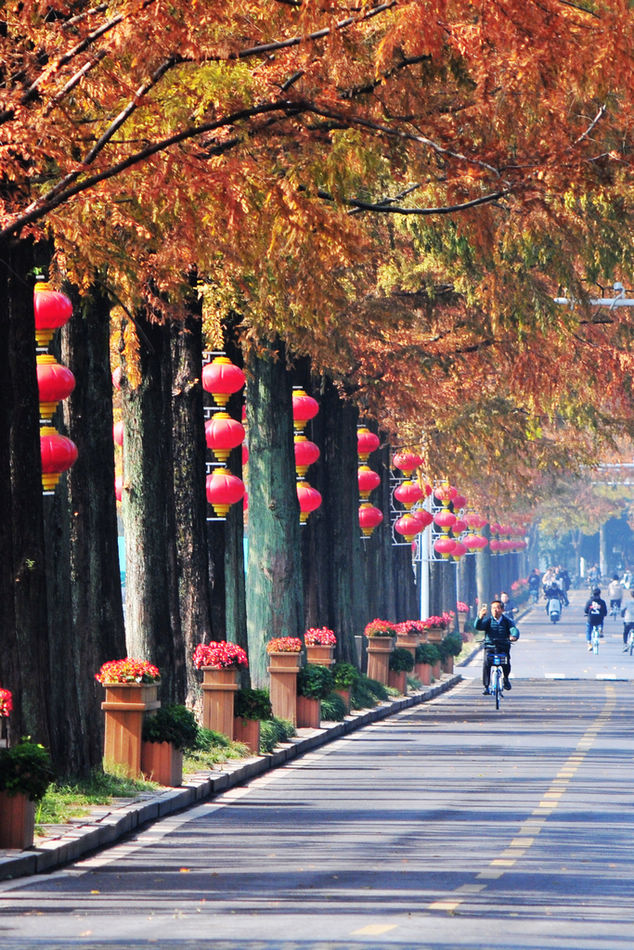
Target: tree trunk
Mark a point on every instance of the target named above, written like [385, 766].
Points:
[274, 579]
[24, 658]
[152, 615]
[190, 503]
[84, 586]
[333, 575]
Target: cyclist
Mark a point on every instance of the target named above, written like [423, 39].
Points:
[595, 611]
[510, 607]
[499, 633]
[615, 592]
[628, 619]
[534, 584]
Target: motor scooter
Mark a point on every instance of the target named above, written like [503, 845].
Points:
[553, 609]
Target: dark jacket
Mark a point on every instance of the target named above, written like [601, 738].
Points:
[498, 638]
[596, 610]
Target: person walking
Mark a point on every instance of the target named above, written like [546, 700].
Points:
[499, 633]
[628, 619]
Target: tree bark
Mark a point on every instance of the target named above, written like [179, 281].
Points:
[24, 658]
[153, 629]
[274, 578]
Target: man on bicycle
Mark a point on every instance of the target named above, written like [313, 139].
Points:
[595, 611]
[615, 593]
[499, 633]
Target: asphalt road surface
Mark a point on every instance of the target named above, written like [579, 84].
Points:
[447, 826]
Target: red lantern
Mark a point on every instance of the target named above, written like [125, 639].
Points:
[445, 493]
[58, 454]
[367, 442]
[459, 526]
[408, 525]
[245, 453]
[309, 500]
[408, 493]
[459, 550]
[118, 487]
[368, 481]
[475, 521]
[424, 517]
[117, 433]
[55, 382]
[445, 546]
[222, 379]
[407, 462]
[223, 490]
[52, 310]
[304, 408]
[459, 501]
[494, 544]
[116, 377]
[370, 517]
[445, 519]
[223, 434]
[306, 454]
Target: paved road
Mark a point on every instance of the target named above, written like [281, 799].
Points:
[447, 826]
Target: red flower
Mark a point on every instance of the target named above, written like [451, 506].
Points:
[221, 654]
[380, 628]
[320, 636]
[284, 645]
[6, 702]
[127, 670]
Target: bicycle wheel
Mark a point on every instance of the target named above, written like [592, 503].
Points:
[497, 686]
[595, 639]
[630, 641]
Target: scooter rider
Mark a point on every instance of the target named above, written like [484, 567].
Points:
[499, 633]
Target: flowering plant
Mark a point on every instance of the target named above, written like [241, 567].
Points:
[284, 645]
[320, 637]
[409, 627]
[221, 654]
[442, 621]
[462, 607]
[380, 628]
[127, 670]
[6, 702]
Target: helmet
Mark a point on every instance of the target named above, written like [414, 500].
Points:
[596, 592]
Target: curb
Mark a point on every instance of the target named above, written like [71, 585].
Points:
[109, 823]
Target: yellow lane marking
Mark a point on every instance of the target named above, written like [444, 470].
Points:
[533, 825]
[375, 929]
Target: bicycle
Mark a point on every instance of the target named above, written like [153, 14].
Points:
[597, 632]
[498, 660]
[615, 609]
[629, 643]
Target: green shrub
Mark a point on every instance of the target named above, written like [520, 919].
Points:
[454, 644]
[427, 653]
[366, 692]
[273, 731]
[345, 675]
[333, 708]
[314, 681]
[252, 704]
[26, 768]
[401, 660]
[175, 724]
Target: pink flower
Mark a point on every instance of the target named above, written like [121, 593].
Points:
[320, 636]
[221, 654]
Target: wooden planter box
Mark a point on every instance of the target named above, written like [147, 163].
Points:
[283, 669]
[125, 706]
[379, 649]
[320, 655]
[345, 695]
[423, 672]
[247, 731]
[162, 763]
[398, 681]
[447, 665]
[435, 634]
[308, 713]
[408, 642]
[462, 619]
[435, 670]
[17, 821]
[219, 687]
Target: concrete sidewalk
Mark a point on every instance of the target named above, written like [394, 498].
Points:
[106, 824]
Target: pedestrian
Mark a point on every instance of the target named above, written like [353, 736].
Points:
[499, 633]
[595, 611]
[628, 619]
